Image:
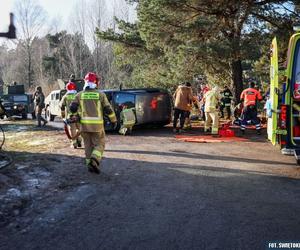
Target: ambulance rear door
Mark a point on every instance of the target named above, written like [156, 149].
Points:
[272, 122]
[293, 77]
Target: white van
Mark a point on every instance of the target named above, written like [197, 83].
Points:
[52, 101]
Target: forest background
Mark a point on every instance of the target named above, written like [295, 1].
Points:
[150, 43]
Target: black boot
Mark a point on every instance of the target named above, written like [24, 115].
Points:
[94, 166]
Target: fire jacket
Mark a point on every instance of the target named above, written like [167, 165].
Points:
[66, 101]
[183, 98]
[250, 97]
[226, 97]
[211, 99]
[127, 117]
[92, 104]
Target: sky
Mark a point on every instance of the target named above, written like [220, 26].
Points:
[54, 8]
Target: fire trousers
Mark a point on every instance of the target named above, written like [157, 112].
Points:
[94, 144]
[211, 120]
[249, 116]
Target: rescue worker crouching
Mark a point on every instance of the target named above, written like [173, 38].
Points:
[64, 104]
[91, 105]
[250, 98]
[211, 99]
[127, 119]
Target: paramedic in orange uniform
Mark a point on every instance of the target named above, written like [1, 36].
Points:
[250, 97]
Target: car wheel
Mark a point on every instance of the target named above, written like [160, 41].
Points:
[49, 116]
[52, 117]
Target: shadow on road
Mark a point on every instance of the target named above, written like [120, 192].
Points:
[147, 205]
[203, 156]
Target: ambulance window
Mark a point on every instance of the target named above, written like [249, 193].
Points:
[57, 96]
[297, 62]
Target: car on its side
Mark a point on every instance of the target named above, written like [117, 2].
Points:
[153, 106]
[17, 104]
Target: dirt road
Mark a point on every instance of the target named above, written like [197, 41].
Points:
[155, 192]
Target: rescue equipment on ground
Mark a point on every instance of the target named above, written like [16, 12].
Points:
[225, 131]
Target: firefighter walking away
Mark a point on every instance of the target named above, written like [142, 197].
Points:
[74, 127]
[91, 105]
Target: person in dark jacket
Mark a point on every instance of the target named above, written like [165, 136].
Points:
[226, 97]
[40, 105]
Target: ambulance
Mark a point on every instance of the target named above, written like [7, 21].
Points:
[284, 119]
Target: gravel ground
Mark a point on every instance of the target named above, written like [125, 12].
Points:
[154, 192]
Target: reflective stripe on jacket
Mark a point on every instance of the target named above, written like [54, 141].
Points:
[250, 97]
[128, 117]
[66, 101]
[91, 105]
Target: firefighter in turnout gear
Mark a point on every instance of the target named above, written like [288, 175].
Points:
[211, 99]
[127, 118]
[250, 97]
[226, 97]
[64, 104]
[91, 105]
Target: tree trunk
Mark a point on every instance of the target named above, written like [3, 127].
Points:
[29, 66]
[237, 79]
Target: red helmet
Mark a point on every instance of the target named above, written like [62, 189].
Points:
[71, 86]
[91, 77]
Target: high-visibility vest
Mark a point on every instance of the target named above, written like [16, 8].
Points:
[90, 99]
[69, 99]
[251, 96]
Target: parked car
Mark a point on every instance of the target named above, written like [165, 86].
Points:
[52, 101]
[17, 104]
[152, 106]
